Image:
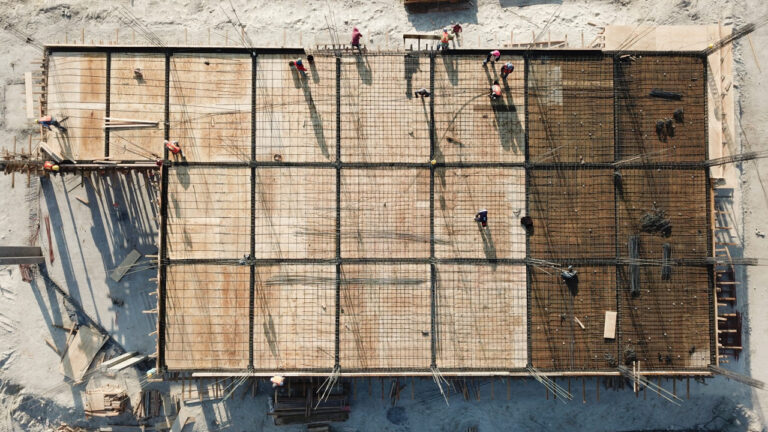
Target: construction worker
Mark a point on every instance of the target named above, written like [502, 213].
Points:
[495, 90]
[138, 74]
[492, 57]
[172, 146]
[311, 60]
[49, 121]
[277, 381]
[50, 166]
[482, 217]
[356, 35]
[300, 67]
[444, 40]
[456, 29]
[422, 93]
[507, 69]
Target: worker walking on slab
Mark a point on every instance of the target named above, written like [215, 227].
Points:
[444, 40]
[455, 30]
[356, 35]
[495, 90]
[300, 67]
[48, 121]
[507, 69]
[422, 93]
[482, 217]
[492, 57]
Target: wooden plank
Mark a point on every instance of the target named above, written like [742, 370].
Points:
[609, 331]
[79, 354]
[124, 266]
[118, 359]
[128, 363]
[28, 83]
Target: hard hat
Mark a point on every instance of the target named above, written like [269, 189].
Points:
[55, 168]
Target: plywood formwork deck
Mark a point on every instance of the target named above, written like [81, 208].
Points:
[77, 98]
[316, 200]
[137, 99]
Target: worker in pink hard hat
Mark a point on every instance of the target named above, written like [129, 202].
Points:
[492, 57]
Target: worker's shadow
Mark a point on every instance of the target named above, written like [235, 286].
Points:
[182, 171]
[297, 79]
[450, 62]
[363, 69]
[64, 144]
[317, 121]
[315, 74]
[488, 247]
[410, 66]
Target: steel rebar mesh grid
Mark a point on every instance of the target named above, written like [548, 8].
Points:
[385, 317]
[207, 316]
[210, 106]
[295, 212]
[667, 326]
[639, 112]
[558, 341]
[481, 317]
[381, 118]
[294, 324]
[680, 195]
[295, 114]
[570, 109]
[460, 193]
[469, 126]
[573, 213]
[209, 213]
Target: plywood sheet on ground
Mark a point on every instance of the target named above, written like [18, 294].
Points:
[209, 212]
[385, 213]
[638, 112]
[557, 340]
[681, 196]
[295, 213]
[294, 317]
[77, 92]
[462, 192]
[570, 109]
[138, 99]
[668, 325]
[295, 116]
[573, 213]
[207, 317]
[210, 106]
[385, 316]
[381, 120]
[469, 127]
[481, 317]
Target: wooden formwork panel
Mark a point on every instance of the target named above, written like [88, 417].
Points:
[210, 106]
[295, 213]
[638, 112]
[573, 213]
[570, 109]
[137, 99]
[294, 317]
[481, 317]
[295, 116]
[668, 325]
[385, 316]
[558, 342]
[77, 86]
[681, 195]
[385, 213]
[462, 192]
[209, 212]
[207, 317]
[381, 120]
[469, 127]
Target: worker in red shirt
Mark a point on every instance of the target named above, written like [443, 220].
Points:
[48, 121]
[444, 40]
[300, 67]
[356, 35]
[495, 90]
[507, 69]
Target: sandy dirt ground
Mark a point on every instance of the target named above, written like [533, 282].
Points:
[88, 241]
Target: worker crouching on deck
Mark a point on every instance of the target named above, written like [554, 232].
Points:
[48, 121]
[495, 90]
[482, 217]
